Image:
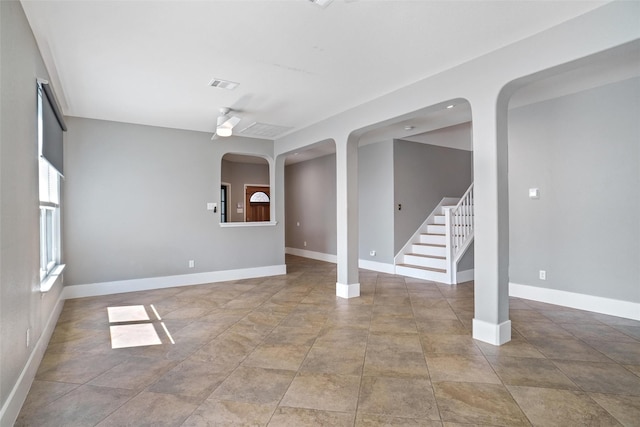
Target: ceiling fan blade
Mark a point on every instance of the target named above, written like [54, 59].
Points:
[230, 122]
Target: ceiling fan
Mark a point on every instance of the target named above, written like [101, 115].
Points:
[225, 123]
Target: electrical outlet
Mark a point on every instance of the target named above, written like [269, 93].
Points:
[192, 263]
[543, 275]
[305, 243]
[372, 253]
[28, 337]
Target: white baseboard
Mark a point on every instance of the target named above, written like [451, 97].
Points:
[464, 276]
[491, 333]
[362, 263]
[348, 291]
[312, 255]
[612, 307]
[11, 409]
[380, 267]
[145, 284]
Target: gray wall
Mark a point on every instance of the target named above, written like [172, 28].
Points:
[582, 152]
[136, 204]
[21, 304]
[375, 193]
[310, 199]
[423, 175]
[237, 175]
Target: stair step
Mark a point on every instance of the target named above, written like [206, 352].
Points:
[435, 270]
[426, 261]
[428, 256]
[429, 249]
[438, 219]
[430, 274]
[436, 228]
[432, 239]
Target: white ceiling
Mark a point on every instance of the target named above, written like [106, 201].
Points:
[149, 62]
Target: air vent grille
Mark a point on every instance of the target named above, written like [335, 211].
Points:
[264, 130]
[223, 84]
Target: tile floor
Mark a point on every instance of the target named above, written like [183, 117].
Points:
[284, 351]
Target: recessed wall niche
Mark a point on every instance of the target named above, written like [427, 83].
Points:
[245, 192]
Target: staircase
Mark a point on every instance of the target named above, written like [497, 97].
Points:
[434, 250]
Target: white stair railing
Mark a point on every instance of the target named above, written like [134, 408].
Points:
[459, 229]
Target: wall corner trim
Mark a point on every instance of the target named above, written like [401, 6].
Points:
[11, 409]
[144, 284]
[348, 291]
[596, 304]
[495, 334]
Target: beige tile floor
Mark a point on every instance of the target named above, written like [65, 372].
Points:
[284, 351]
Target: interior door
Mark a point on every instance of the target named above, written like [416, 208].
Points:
[257, 203]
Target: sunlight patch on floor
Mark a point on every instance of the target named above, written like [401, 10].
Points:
[129, 313]
[134, 327]
[137, 335]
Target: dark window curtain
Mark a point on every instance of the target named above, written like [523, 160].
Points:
[52, 127]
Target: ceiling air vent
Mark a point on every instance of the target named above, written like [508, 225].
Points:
[264, 130]
[223, 84]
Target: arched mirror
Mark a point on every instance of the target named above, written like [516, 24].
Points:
[245, 189]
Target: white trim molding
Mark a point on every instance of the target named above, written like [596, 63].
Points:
[11, 409]
[347, 291]
[602, 305]
[145, 284]
[496, 334]
[380, 267]
[48, 282]
[312, 255]
[464, 276]
[249, 224]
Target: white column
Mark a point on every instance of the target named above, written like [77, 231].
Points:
[491, 322]
[347, 285]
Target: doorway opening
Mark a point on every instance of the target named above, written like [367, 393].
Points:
[257, 203]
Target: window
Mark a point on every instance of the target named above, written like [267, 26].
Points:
[259, 197]
[49, 183]
[224, 190]
[50, 128]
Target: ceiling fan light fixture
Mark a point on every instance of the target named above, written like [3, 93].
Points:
[224, 131]
[225, 123]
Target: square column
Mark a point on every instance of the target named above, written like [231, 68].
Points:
[491, 322]
[348, 285]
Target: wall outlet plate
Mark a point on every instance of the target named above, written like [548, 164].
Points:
[534, 193]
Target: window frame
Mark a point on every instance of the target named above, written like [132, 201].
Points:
[49, 184]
